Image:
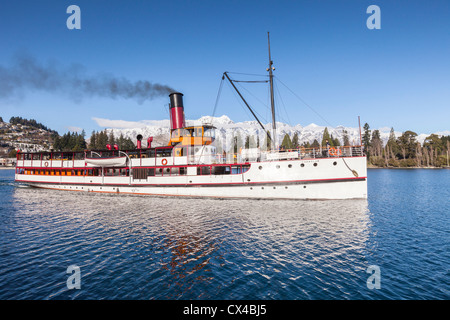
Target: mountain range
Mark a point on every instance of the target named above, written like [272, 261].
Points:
[227, 128]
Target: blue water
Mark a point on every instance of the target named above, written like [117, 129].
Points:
[135, 247]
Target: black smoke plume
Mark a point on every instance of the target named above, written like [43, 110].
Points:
[26, 74]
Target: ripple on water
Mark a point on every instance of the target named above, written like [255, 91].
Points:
[135, 247]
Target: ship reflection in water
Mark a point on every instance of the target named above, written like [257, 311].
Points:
[137, 247]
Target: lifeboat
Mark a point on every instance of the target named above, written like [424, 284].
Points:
[107, 162]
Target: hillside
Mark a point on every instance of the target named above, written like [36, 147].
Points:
[23, 134]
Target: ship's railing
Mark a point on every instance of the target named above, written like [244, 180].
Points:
[251, 155]
[74, 159]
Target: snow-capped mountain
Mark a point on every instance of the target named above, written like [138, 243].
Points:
[227, 129]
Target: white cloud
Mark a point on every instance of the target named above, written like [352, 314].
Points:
[74, 129]
[118, 124]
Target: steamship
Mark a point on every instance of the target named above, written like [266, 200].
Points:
[190, 166]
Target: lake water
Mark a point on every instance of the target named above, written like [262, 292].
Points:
[136, 247]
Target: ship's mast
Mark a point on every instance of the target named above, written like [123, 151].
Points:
[272, 101]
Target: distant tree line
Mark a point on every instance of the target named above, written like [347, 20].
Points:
[70, 142]
[100, 139]
[31, 123]
[287, 143]
[405, 151]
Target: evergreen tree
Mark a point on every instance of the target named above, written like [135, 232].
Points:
[295, 142]
[128, 144]
[334, 142]
[121, 141]
[247, 142]
[93, 141]
[392, 145]
[239, 143]
[102, 140]
[286, 144]
[376, 145]
[434, 146]
[250, 142]
[307, 145]
[325, 137]
[57, 146]
[407, 144]
[366, 139]
[345, 138]
[111, 139]
[315, 144]
[268, 142]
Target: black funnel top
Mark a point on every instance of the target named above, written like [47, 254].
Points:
[176, 100]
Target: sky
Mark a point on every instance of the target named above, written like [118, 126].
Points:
[330, 67]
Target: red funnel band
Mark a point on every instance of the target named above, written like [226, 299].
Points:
[176, 110]
[177, 117]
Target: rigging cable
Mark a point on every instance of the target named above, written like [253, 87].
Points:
[249, 74]
[259, 100]
[217, 100]
[284, 106]
[305, 103]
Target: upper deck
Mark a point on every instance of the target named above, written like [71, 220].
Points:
[176, 156]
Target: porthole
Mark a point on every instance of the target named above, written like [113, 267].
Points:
[315, 164]
[334, 163]
[302, 165]
[289, 165]
[274, 187]
[260, 167]
[278, 166]
[304, 187]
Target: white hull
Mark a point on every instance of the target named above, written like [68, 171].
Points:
[317, 191]
[326, 178]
